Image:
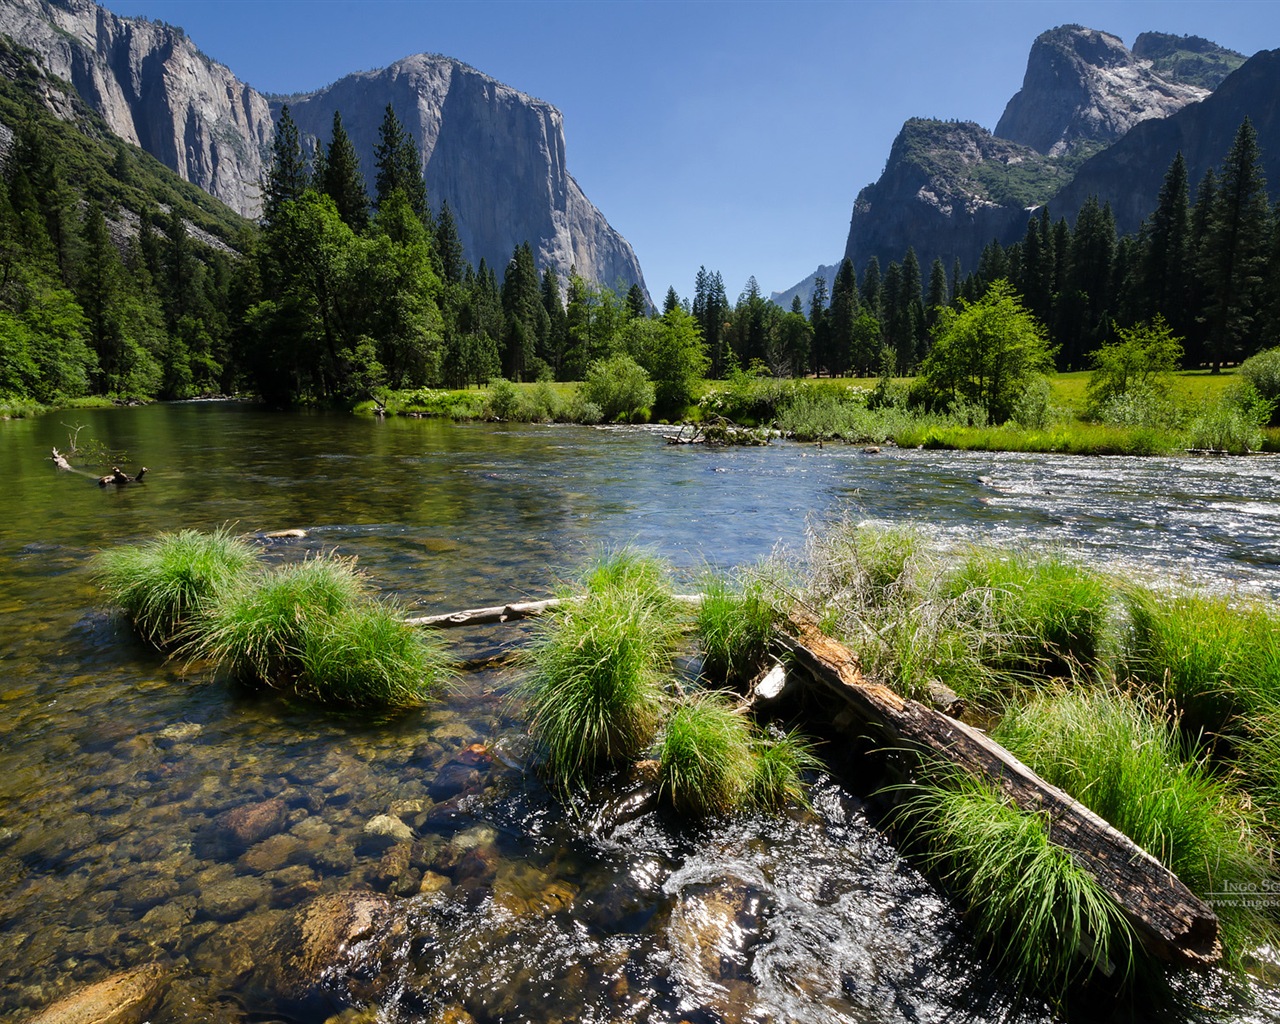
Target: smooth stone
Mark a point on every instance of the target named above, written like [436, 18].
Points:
[387, 826]
[124, 998]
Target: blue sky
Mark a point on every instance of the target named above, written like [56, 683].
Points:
[729, 134]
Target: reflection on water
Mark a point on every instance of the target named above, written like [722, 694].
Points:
[151, 814]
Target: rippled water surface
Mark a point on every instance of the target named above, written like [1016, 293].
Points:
[122, 770]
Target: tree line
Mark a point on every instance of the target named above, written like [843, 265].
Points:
[338, 294]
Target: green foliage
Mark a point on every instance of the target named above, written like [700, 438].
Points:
[988, 353]
[1047, 921]
[778, 769]
[705, 756]
[594, 696]
[1140, 359]
[1123, 760]
[620, 387]
[1213, 658]
[1263, 372]
[1044, 615]
[671, 351]
[162, 586]
[1234, 424]
[735, 625]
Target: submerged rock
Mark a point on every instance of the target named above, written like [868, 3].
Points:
[333, 951]
[234, 831]
[124, 998]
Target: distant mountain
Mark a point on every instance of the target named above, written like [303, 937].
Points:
[496, 155]
[949, 188]
[1128, 174]
[1084, 87]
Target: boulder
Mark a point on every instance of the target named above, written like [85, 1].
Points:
[125, 998]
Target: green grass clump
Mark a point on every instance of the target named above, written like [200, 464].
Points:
[1047, 920]
[735, 626]
[368, 656]
[1044, 615]
[706, 763]
[259, 630]
[632, 570]
[164, 584]
[595, 694]
[1123, 759]
[778, 767]
[1212, 656]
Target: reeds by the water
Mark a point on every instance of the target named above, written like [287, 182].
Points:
[735, 625]
[162, 585]
[705, 756]
[1043, 918]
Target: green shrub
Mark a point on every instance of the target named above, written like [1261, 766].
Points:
[504, 399]
[1262, 371]
[705, 756]
[1124, 761]
[1047, 920]
[735, 626]
[1233, 424]
[164, 584]
[619, 386]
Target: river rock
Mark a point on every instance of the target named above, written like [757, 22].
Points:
[231, 899]
[388, 829]
[455, 779]
[331, 951]
[236, 830]
[125, 998]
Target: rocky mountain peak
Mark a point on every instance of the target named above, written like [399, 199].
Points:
[1085, 86]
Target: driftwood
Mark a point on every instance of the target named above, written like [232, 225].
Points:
[1168, 918]
[60, 461]
[508, 612]
[117, 478]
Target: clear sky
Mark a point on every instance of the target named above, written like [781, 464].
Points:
[729, 134]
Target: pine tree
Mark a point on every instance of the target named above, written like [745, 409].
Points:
[913, 307]
[1165, 268]
[671, 302]
[872, 289]
[711, 310]
[527, 322]
[288, 175]
[1086, 305]
[637, 305]
[1233, 258]
[399, 166]
[449, 246]
[339, 177]
[557, 325]
[820, 354]
[841, 320]
[938, 297]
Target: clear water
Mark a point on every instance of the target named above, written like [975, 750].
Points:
[117, 764]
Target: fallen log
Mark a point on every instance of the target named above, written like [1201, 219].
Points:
[1171, 921]
[60, 461]
[507, 612]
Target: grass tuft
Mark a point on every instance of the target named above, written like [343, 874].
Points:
[706, 763]
[1047, 920]
[596, 689]
[735, 625]
[1121, 758]
[1045, 615]
[778, 769]
[162, 585]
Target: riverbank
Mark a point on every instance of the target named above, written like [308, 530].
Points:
[1198, 414]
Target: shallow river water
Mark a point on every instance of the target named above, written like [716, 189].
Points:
[123, 776]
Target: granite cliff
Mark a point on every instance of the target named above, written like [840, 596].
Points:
[949, 188]
[496, 155]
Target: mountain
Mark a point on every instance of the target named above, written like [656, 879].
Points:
[949, 188]
[496, 155]
[1085, 86]
[1129, 174]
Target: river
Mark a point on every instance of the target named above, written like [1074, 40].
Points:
[119, 766]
